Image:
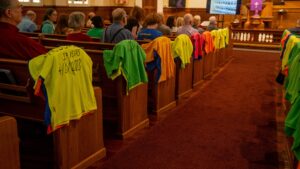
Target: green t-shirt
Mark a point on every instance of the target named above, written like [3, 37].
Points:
[292, 126]
[127, 58]
[67, 74]
[292, 82]
[95, 32]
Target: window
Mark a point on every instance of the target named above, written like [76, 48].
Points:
[30, 2]
[78, 2]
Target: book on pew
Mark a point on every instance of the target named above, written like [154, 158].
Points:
[7, 77]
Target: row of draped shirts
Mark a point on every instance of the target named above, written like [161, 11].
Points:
[65, 70]
[290, 70]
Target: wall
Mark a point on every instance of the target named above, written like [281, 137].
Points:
[190, 3]
[292, 9]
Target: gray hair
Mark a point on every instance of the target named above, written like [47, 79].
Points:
[212, 20]
[118, 14]
[31, 14]
[188, 19]
[4, 4]
[76, 20]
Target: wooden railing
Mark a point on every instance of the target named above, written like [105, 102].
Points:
[246, 38]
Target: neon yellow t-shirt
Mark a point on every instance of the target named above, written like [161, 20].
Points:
[183, 47]
[67, 74]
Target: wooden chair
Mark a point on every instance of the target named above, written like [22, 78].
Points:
[9, 143]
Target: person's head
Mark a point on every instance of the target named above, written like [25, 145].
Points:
[197, 20]
[179, 21]
[151, 20]
[213, 20]
[31, 15]
[138, 13]
[50, 14]
[119, 16]
[97, 21]
[63, 21]
[10, 11]
[188, 19]
[76, 20]
[171, 21]
[91, 15]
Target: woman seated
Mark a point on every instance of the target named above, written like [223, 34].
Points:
[62, 25]
[97, 27]
[149, 30]
[76, 22]
[48, 21]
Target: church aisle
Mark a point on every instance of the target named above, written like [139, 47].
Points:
[230, 123]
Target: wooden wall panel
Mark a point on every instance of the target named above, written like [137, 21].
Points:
[104, 12]
[292, 14]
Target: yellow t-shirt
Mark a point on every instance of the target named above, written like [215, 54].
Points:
[67, 74]
[289, 46]
[183, 47]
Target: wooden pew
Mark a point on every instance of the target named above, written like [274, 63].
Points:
[9, 143]
[85, 45]
[198, 72]
[63, 37]
[161, 96]
[77, 145]
[208, 64]
[184, 79]
[123, 114]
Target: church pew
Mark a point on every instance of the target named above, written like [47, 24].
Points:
[124, 114]
[85, 45]
[198, 72]
[161, 96]
[208, 64]
[184, 79]
[9, 143]
[77, 145]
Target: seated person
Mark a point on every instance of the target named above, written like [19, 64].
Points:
[197, 23]
[89, 21]
[212, 23]
[97, 27]
[76, 22]
[62, 27]
[149, 30]
[135, 20]
[296, 30]
[15, 45]
[171, 23]
[164, 29]
[187, 27]
[27, 24]
[48, 21]
[116, 31]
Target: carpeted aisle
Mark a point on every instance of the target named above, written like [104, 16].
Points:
[228, 124]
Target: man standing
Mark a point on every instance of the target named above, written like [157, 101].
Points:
[13, 44]
[27, 24]
[116, 31]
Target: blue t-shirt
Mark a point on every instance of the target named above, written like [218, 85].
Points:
[26, 25]
[148, 34]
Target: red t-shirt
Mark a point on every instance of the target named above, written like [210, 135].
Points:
[79, 37]
[15, 45]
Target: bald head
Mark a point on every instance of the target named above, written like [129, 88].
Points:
[31, 15]
[188, 19]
